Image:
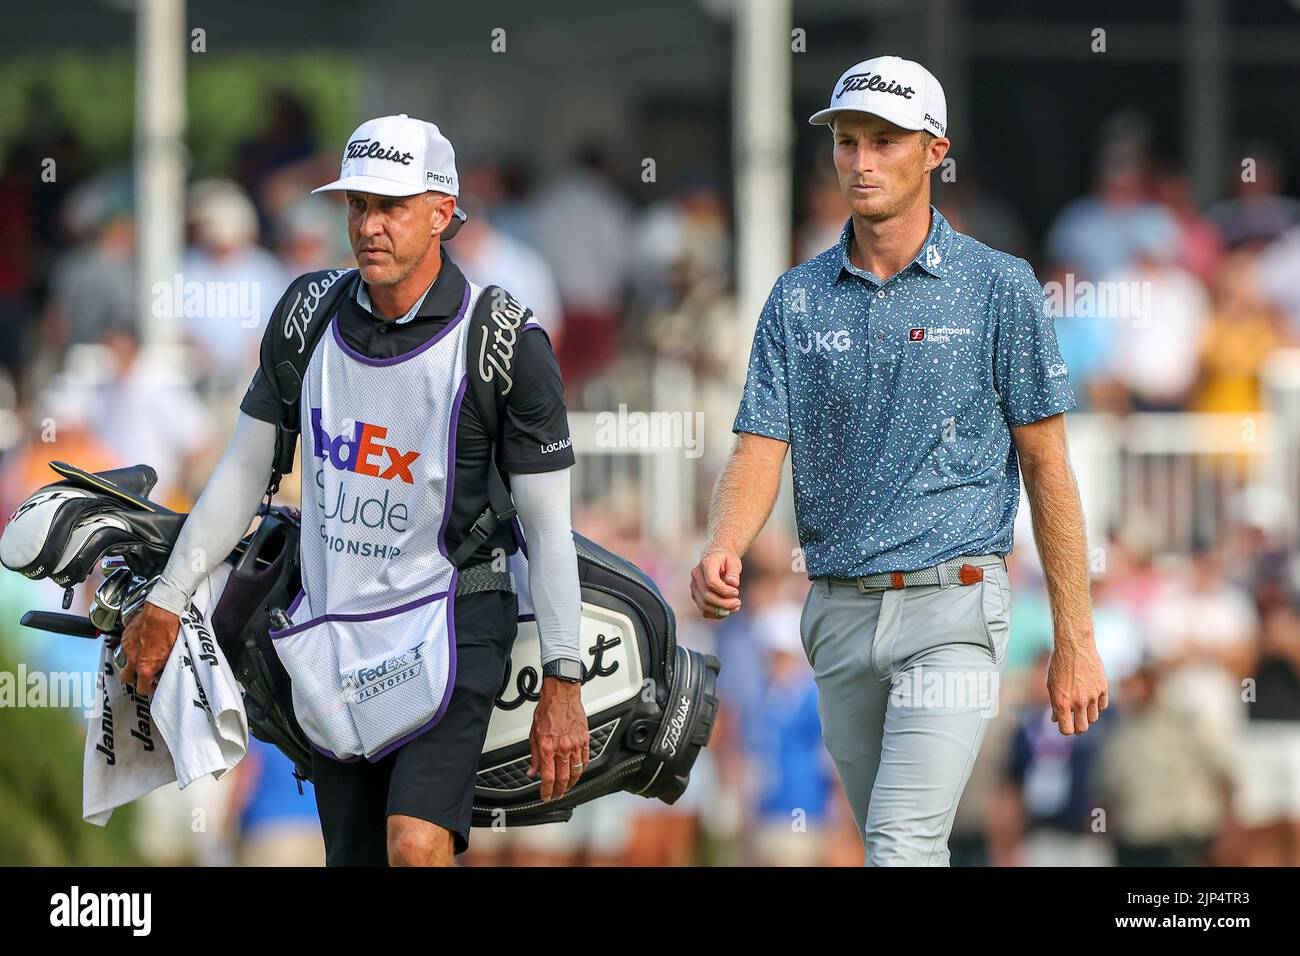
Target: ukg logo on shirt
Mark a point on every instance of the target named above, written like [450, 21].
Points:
[363, 452]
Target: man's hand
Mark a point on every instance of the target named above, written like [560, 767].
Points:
[715, 583]
[1076, 686]
[147, 643]
[560, 742]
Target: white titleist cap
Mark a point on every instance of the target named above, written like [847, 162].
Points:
[397, 156]
[901, 91]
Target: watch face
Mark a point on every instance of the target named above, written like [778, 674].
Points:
[565, 670]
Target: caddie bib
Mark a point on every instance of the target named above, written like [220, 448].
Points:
[370, 646]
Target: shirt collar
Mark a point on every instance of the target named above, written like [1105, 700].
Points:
[441, 300]
[932, 258]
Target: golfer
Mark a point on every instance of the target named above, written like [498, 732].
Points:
[911, 370]
[396, 654]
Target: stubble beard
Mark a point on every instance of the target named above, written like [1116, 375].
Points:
[889, 206]
[394, 273]
[391, 276]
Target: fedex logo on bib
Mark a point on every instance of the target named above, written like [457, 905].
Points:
[363, 452]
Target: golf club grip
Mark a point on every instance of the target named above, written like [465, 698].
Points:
[75, 624]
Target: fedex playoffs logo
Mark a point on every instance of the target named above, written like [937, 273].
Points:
[363, 452]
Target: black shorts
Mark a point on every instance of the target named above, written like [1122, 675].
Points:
[432, 776]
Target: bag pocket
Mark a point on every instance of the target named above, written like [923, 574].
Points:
[310, 658]
[367, 683]
[397, 671]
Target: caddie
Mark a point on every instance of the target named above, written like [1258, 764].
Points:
[398, 643]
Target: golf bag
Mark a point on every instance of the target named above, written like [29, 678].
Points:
[650, 704]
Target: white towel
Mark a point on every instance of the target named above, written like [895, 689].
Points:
[193, 726]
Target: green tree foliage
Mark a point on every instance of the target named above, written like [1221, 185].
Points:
[40, 791]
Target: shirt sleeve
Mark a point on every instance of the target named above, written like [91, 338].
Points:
[221, 515]
[1029, 374]
[765, 404]
[543, 504]
[262, 400]
[535, 429]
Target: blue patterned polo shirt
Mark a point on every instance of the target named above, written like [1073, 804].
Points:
[897, 398]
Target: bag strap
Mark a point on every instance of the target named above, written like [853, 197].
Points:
[493, 336]
[309, 305]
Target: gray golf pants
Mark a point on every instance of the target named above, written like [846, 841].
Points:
[907, 680]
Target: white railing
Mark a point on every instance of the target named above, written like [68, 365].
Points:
[660, 481]
[1180, 471]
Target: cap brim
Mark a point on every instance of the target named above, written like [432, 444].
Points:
[827, 116]
[369, 184]
[385, 187]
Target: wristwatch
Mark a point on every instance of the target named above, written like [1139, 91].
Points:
[565, 668]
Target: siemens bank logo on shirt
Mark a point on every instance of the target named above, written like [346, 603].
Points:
[814, 342]
[363, 453]
[937, 333]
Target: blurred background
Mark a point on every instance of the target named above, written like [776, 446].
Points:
[640, 175]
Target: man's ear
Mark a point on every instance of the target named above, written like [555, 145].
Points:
[936, 157]
[440, 227]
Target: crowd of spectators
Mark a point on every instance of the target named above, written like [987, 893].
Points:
[1198, 759]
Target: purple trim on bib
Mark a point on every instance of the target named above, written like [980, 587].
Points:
[451, 588]
[371, 616]
[447, 688]
[534, 324]
[365, 360]
[333, 756]
[450, 593]
[518, 530]
[452, 432]
[451, 677]
[302, 592]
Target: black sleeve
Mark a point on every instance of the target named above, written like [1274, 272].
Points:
[262, 400]
[535, 428]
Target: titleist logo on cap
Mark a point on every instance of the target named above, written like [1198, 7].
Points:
[874, 82]
[373, 149]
